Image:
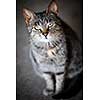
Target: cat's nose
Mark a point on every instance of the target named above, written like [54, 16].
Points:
[45, 32]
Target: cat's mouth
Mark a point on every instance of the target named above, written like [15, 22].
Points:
[45, 35]
[45, 38]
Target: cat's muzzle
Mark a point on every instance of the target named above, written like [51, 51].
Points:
[45, 34]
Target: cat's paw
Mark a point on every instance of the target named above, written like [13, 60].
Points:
[48, 92]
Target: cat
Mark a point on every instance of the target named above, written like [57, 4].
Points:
[55, 50]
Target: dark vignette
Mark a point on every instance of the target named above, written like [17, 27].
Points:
[29, 85]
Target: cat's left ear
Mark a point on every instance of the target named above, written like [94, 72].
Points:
[53, 7]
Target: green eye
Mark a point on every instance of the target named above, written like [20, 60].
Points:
[35, 28]
[38, 29]
[50, 25]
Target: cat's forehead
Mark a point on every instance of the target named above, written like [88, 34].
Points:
[44, 16]
[41, 14]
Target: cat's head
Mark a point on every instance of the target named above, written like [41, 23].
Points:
[44, 26]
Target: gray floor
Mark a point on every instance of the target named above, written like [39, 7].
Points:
[29, 85]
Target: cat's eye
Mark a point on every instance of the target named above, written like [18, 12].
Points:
[37, 29]
[50, 24]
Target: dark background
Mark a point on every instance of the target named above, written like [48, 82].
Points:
[29, 85]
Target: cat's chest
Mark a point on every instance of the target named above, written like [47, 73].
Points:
[47, 55]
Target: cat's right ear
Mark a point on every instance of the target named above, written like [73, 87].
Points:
[28, 15]
[53, 7]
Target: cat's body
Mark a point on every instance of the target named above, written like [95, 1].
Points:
[55, 51]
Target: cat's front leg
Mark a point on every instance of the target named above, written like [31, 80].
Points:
[49, 90]
[59, 83]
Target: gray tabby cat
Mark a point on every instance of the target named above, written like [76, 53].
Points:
[55, 51]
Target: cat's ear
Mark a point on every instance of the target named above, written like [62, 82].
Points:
[28, 15]
[53, 7]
